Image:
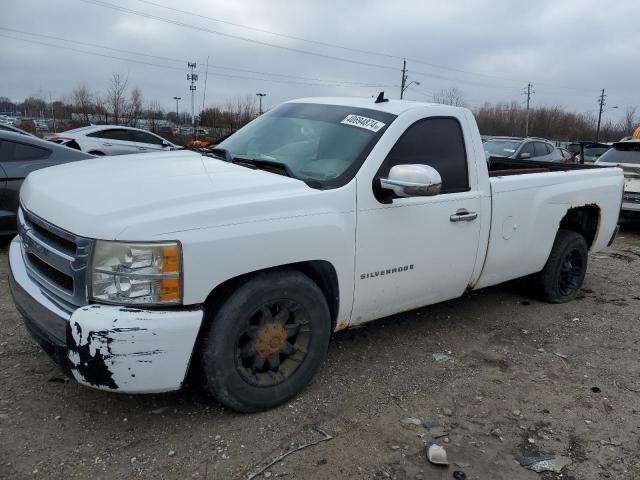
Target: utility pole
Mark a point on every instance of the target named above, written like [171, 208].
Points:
[601, 101]
[404, 78]
[529, 92]
[403, 84]
[194, 78]
[53, 113]
[177, 99]
[260, 95]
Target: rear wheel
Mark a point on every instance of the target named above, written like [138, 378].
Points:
[266, 342]
[562, 276]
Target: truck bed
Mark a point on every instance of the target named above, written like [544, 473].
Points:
[527, 210]
[501, 167]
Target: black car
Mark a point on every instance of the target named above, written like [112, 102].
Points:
[19, 155]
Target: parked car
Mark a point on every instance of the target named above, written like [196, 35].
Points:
[563, 155]
[520, 148]
[21, 154]
[591, 151]
[11, 128]
[319, 215]
[112, 140]
[626, 155]
[26, 124]
[165, 130]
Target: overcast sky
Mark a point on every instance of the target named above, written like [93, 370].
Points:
[489, 49]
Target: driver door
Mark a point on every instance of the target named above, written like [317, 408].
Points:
[416, 251]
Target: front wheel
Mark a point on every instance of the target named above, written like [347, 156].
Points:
[562, 276]
[266, 342]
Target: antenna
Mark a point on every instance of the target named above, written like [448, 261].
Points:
[381, 98]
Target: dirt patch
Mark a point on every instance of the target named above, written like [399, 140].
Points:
[519, 380]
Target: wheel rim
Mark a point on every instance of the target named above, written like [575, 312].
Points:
[272, 343]
[571, 272]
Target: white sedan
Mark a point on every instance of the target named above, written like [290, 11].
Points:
[112, 140]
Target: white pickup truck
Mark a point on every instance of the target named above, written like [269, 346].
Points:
[324, 213]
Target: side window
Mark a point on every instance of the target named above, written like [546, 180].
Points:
[117, 134]
[528, 148]
[541, 149]
[17, 152]
[556, 155]
[437, 142]
[144, 137]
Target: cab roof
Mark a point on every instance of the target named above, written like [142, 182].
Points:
[395, 107]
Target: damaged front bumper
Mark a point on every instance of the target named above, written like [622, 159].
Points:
[127, 350]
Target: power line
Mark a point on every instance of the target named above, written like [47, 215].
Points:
[64, 47]
[119, 8]
[182, 61]
[342, 47]
[229, 35]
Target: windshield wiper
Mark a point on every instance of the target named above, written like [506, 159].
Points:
[272, 166]
[221, 153]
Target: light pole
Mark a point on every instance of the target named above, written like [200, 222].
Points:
[404, 87]
[260, 95]
[177, 99]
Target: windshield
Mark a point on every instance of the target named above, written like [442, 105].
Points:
[322, 143]
[503, 148]
[622, 154]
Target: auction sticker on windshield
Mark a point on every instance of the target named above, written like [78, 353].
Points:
[363, 122]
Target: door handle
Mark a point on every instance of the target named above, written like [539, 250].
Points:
[107, 144]
[142, 148]
[462, 215]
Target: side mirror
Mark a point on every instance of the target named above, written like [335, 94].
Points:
[525, 155]
[413, 181]
[166, 144]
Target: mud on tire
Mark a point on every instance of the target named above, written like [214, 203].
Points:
[265, 343]
[562, 276]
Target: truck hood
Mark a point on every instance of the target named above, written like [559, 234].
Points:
[137, 197]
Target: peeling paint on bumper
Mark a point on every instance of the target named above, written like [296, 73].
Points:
[126, 350]
[130, 350]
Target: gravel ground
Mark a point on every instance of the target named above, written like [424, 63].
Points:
[519, 378]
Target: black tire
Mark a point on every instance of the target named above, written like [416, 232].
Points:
[266, 341]
[96, 153]
[562, 276]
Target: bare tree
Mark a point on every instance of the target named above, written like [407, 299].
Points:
[135, 106]
[83, 102]
[630, 119]
[553, 123]
[154, 113]
[450, 96]
[116, 100]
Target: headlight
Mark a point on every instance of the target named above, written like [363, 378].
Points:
[136, 273]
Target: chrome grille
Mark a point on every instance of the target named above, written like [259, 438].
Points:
[55, 259]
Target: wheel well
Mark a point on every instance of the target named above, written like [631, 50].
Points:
[320, 271]
[96, 152]
[584, 220]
